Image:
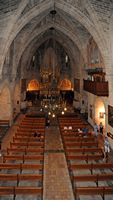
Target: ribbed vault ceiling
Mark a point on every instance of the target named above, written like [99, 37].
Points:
[75, 21]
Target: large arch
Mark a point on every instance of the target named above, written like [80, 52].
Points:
[73, 12]
[33, 85]
[41, 30]
[65, 84]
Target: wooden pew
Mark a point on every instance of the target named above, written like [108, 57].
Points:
[31, 166]
[39, 127]
[22, 158]
[20, 190]
[25, 150]
[13, 158]
[10, 166]
[80, 144]
[4, 122]
[74, 133]
[7, 190]
[31, 129]
[28, 139]
[20, 177]
[93, 191]
[20, 166]
[91, 166]
[75, 139]
[85, 157]
[27, 134]
[93, 178]
[27, 190]
[36, 143]
[83, 150]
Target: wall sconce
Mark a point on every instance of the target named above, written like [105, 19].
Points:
[101, 115]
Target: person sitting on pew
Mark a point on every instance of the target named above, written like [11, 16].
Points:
[96, 129]
[65, 129]
[38, 135]
[79, 130]
[35, 134]
[85, 131]
[70, 128]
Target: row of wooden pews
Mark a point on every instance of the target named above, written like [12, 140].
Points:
[21, 172]
[91, 177]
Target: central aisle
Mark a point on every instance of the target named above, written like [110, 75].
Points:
[57, 184]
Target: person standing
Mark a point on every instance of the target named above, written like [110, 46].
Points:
[96, 129]
[101, 127]
[106, 148]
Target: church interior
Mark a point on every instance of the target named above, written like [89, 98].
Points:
[56, 99]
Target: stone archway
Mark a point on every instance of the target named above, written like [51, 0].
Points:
[99, 111]
[33, 85]
[66, 91]
[5, 104]
[33, 90]
[65, 84]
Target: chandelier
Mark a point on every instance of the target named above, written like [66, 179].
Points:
[53, 108]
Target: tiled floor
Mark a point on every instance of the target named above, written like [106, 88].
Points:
[57, 184]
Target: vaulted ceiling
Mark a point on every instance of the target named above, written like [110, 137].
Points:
[27, 24]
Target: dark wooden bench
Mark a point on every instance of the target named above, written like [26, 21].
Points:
[83, 150]
[86, 157]
[36, 143]
[80, 144]
[4, 122]
[20, 190]
[25, 150]
[27, 190]
[93, 191]
[31, 129]
[93, 178]
[22, 158]
[74, 139]
[20, 177]
[91, 166]
[74, 133]
[28, 139]
[20, 166]
[27, 133]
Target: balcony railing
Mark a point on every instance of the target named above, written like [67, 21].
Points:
[97, 88]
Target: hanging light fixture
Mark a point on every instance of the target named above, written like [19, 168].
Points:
[62, 112]
[65, 109]
[53, 115]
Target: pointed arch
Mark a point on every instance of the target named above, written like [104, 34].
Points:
[33, 85]
[65, 84]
